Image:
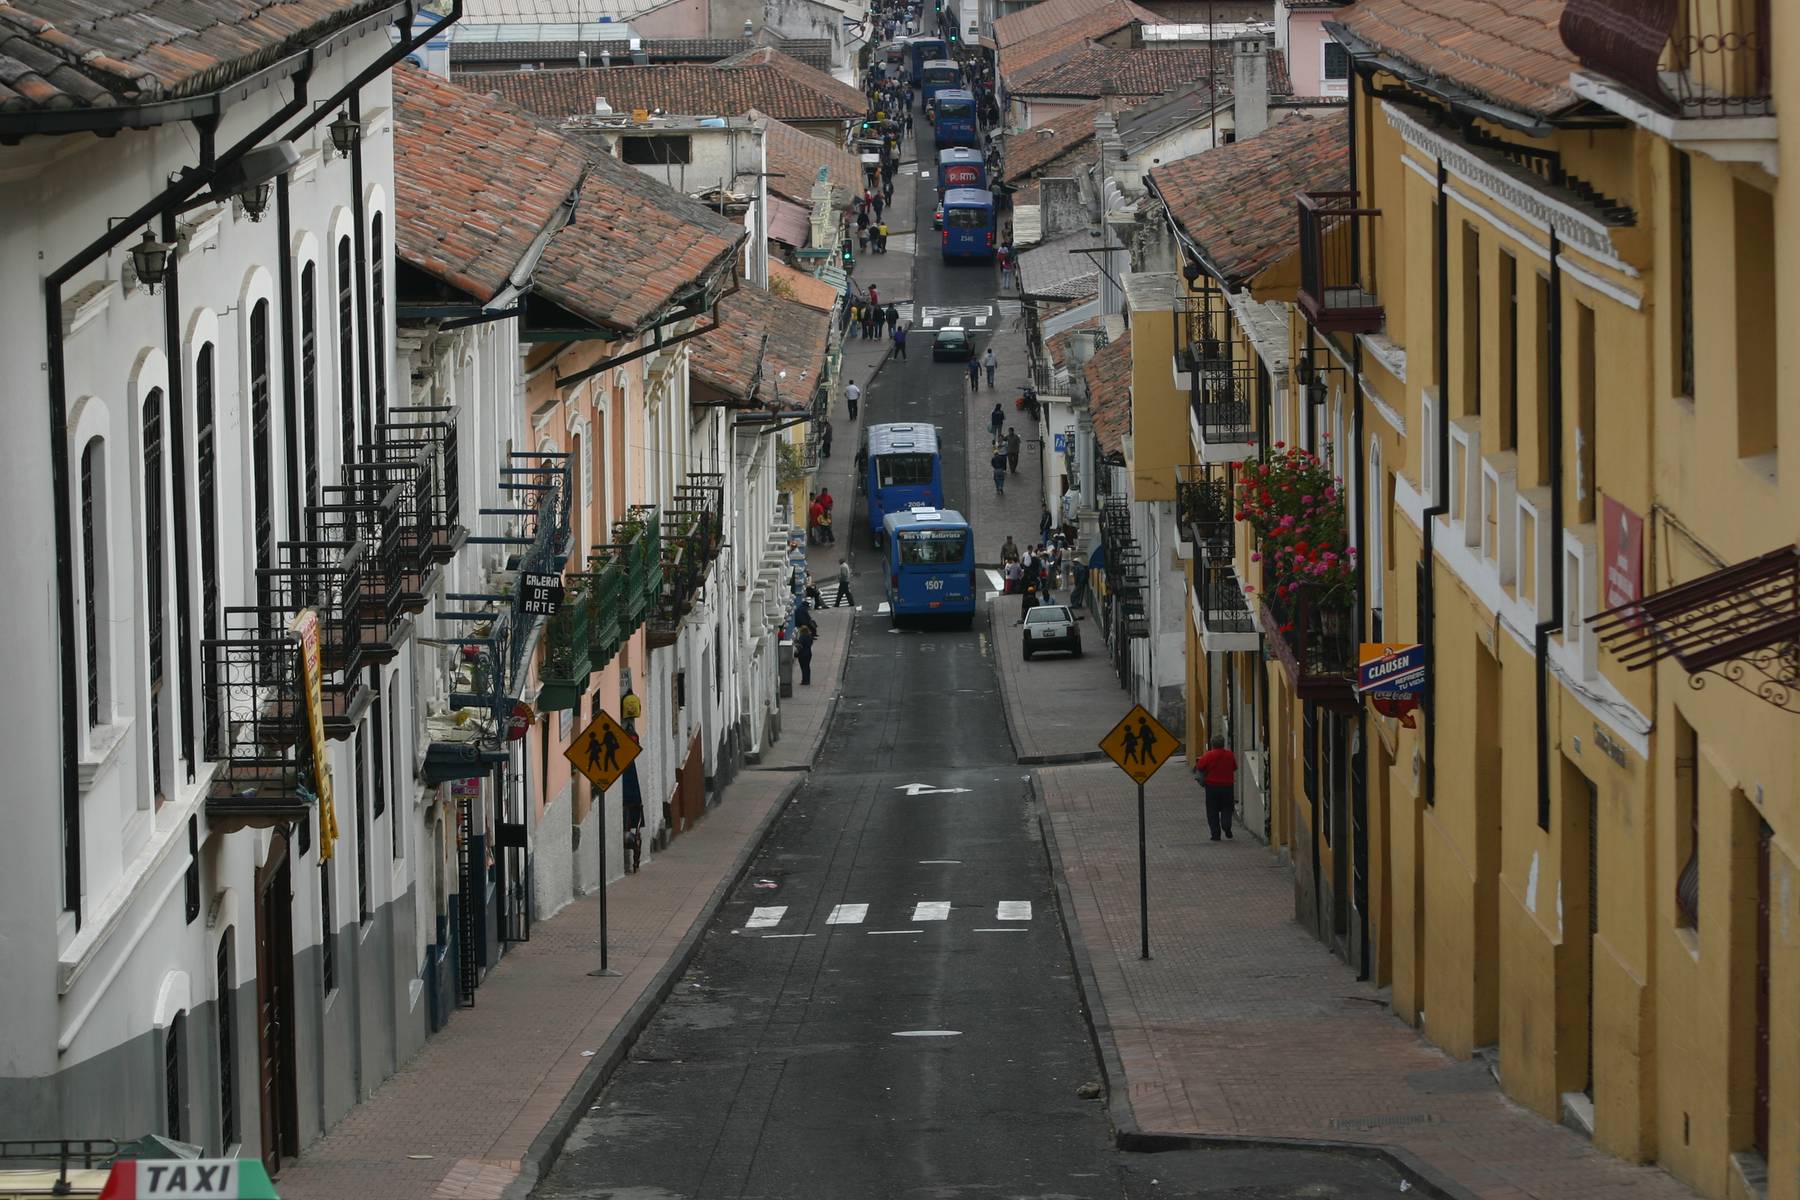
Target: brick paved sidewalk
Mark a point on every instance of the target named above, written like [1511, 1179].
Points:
[458, 1122]
[1242, 1025]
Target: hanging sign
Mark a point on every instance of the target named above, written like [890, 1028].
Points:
[1622, 548]
[542, 594]
[305, 626]
[1391, 676]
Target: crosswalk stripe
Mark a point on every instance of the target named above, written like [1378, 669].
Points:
[996, 581]
[931, 910]
[1013, 910]
[764, 918]
[848, 914]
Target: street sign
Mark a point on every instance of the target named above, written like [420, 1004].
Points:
[603, 751]
[189, 1179]
[543, 594]
[1139, 744]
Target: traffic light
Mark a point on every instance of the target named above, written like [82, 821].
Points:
[849, 256]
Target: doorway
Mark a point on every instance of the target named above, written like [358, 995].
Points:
[1760, 1109]
[276, 1093]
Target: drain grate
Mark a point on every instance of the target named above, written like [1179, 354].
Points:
[1383, 1121]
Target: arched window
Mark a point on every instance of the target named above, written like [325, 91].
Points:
[262, 466]
[1374, 563]
[228, 1129]
[206, 462]
[154, 485]
[174, 1066]
[309, 386]
[346, 353]
[93, 559]
[378, 315]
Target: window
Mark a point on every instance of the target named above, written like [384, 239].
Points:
[1375, 560]
[400, 774]
[1337, 64]
[262, 468]
[228, 1131]
[346, 355]
[363, 910]
[174, 1125]
[933, 547]
[378, 735]
[309, 385]
[1584, 414]
[661, 150]
[1471, 321]
[153, 579]
[1509, 352]
[1758, 330]
[93, 531]
[1682, 281]
[327, 925]
[206, 475]
[967, 218]
[1538, 458]
[378, 314]
[895, 470]
[1687, 824]
[191, 878]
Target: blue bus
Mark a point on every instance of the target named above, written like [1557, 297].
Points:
[939, 74]
[904, 470]
[953, 120]
[921, 50]
[968, 223]
[930, 565]
[960, 167]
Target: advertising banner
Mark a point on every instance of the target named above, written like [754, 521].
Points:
[1391, 676]
[305, 626]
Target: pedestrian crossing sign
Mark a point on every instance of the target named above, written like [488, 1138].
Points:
[1139, 744]
[602, 751]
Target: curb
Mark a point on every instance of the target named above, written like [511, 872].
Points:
[1127, 1135]
[1062, 758]
[547, 1146]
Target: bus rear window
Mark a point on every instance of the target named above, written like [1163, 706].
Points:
[933, 547]
[955, 109]
[965, 218]
[898, 470]
[943, 75]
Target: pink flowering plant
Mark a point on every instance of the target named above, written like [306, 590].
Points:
[1297, 509]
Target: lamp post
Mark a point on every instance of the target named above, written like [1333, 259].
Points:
[345, 131]
[150, 259]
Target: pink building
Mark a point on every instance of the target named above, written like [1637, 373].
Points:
[1317, 66]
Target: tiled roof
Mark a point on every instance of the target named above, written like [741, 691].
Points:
[686, 90]
[1053, 271]
[1509, 52]
[795, 157]
[1140, 71]
[809, 290]
[476, 181]
[1032, 148]
[1017, 27]
[1092, 24]
[1058, 345]
[1109, 393]
[71, 54]
[1155, 119]
[798, 336]
[660, 50]
[809, 77]
[1236, 202]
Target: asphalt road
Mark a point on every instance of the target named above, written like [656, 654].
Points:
[886, 1007]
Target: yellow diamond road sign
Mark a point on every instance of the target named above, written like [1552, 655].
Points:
[602, 751]
[1139, 744]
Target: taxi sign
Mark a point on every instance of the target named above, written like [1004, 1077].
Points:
[189, 1179]
[602, 751]
[1139, 744]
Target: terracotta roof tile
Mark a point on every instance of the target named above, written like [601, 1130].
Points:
[69, 54]
[686, 90]
[659, 50]
[810, 77]
[1016, 28]
[1109, 18]
[795, 157]
[798, 336]
[1087, 70]
[1108, 376]
[809, 290]
[1058, 345]
[1030, 149]
[1237, 201]
[1509, 52]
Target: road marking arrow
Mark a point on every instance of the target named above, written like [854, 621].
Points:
[925, 789]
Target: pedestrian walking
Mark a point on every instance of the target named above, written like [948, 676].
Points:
[844, 597]
[975, 375]
[874, 295]
[1012, 574]
[1217, 770]
[878, 206]
[814, 597]
[826, 503]
[900, 342]
[996, 420]
[1009, 550]
[880, 320]
[862, 239]
[1044, 522]
[1078, 597]
[852, 394]
[852, 321]
[893, 315]
[998, 463]
[1013, 445]
[815, 513]
[869, 320]
[803, 648]
[887, 189]
[825, 438]
[990, 363]
[882, 229]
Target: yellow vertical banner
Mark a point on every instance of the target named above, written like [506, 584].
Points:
[305, 626]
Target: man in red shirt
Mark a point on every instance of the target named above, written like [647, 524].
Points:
[1217, 769]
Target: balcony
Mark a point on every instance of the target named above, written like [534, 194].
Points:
[1222, 412]
[326, 577]
[367, 514]
[1203, 515]
[606, 608]
[692, 537]
[1202, 324]
[1221, 613]
[563, 674]
[1315, 640]
[252, 681]
[1337, 244]
[1124, 613]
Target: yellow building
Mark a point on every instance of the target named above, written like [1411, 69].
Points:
[1534, 330]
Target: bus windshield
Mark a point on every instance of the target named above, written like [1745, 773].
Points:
[965, 218]
[898, 470]
[933, 547]
[956, 109]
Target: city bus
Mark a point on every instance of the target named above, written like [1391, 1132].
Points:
[960, 167]
[921, 50]
[968, 223]
[939, 74]
[904, 470]
[930, 565]
[953, 120]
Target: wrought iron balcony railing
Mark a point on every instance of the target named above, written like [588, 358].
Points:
[1203, 516]
[1202, 334]
[1315, 639]
[568, 656]
[252, 674]
[606, 606]
[1337, 242]
[368, 515]
[1224, 404]
[1222, 602]
[327, 577]
[1685, 58]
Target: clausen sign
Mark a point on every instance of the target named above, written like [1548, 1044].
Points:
[1391, 675]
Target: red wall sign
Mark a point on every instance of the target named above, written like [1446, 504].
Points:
[1622, 554]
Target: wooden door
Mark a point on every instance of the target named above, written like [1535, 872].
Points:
[274, 1008]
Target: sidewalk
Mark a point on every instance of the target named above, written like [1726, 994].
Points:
[1016, 513]
[481, 1111]
[1241, 1026]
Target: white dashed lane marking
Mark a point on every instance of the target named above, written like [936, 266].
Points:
[848, 914]
[931, 910]
[1013, 910]
[766, 918]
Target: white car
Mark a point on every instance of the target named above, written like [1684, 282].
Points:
[1052, 627]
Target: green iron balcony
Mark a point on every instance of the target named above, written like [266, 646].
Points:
[563, 674]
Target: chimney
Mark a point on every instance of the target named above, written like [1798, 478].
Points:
[581, 59]
[606, 58]
[1109, 98]
[1250, 86]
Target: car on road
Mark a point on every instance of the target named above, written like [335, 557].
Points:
[937, 216]
[1052, 627]
[952, 345]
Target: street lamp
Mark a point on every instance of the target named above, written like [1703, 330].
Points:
[255, 199]
[344, 133]
[150, 259]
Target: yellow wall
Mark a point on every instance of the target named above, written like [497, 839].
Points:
[1159, 413]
